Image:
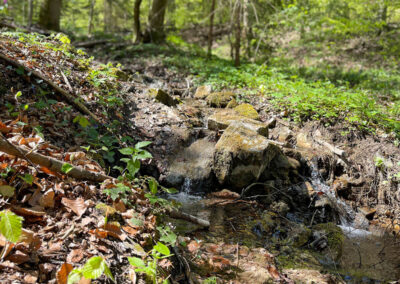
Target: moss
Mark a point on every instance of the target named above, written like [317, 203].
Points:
[162, 97]
[334, 236]
[232, 104]
[220, 99]
[247, 110]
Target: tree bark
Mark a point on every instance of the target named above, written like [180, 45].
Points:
[155, 30]
[50, 13]
[210, 32]
[237, 8]
[30, 13]
[91, 13]
[136, 21]
[107, 15]
[48, 162]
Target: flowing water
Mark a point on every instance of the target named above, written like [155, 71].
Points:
[367, 257]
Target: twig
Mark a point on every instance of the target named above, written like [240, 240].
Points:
[67, 82]
[184, 216]
[333, 149]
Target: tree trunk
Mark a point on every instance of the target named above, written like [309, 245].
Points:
[30, 13]
[246, 28]
[107, 15]
[91, 13]
[237, 29]
[136, 21]
[155, 30]
[210, 32]
[50, 13]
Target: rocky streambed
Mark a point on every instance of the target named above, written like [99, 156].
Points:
[273, 196]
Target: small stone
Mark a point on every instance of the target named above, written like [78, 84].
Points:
[162, 97]
[285, 134]
[247, 110]
[220, 99]
[202, 92]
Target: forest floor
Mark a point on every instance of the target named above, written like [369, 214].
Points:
[67, 220]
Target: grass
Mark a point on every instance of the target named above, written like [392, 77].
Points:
[367, 100]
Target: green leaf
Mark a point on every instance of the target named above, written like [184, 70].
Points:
[84, 122]
[74, 276]
[7, 190]
[66, 168]
[136, 222]
[27, 178]
[18, 94]
[169, 238]
[142, 144]
[10, 226]
[136, 262]
[94, 267]
[161, 248]
[133, 167]
[153, 186]
[107, 272]
[170, 190]
[142, 155]
[126, 151]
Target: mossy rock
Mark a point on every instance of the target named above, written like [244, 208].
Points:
[220, 99]
[247, 110]
[202, 92]
[232, 104]
[162, 97]
[335, 237]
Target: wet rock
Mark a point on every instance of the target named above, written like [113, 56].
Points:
[367, 212]
[247, 110]
[202, 92]
[220, 99]
[333, 236]
[162, 97]
[220, 120]
[242, 155]
[280, 168]
[361, 222]
[232, 104]
[193, 164]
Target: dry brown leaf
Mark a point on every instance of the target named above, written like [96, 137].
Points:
[132, 275]
[78, 205]
[32, 277]
[115, 231]
[193, 246]
[120, 206]
[75, 256]
[34, 211]
[131, 231]
[62, 273]
[47, 199]
[273, 272]
[18, 257]
[101, 234]
[30, 239]
[84, 281]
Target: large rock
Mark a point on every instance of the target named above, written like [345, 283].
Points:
[220, 120]
[247, 110]
[242, 155]
[192, 167]
[220, 99]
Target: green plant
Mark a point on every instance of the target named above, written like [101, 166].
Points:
[10, 225]
[92, 269]
[159, 251]
[136, 154]
[379, 162]
[210, 280]
[120, 191]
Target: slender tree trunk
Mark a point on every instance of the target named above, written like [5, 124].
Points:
[91, 13]
[155, 30]
[30, 13]
[246, 28]
[107, 15]
[237, 29]
[136, 21]
[50, 13]
[210, 32]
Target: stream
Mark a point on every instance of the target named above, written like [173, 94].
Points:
[368, 256]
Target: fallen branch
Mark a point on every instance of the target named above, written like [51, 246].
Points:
[70, 98]
[48, 162]
[184, 216]
[330, 147]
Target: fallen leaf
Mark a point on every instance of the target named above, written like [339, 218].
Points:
[32, 277]
[273, 272]
[131, 231]
[48, 171]
[115, 231]
[78, 206]
[75, 256]
[193, 246]
[33, 211]
[30, 239]
[62, 273]
[18, 257]
[47, 199]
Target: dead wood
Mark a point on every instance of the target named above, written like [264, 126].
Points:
[68, 97]
[184, 216]
[330, 147]
[49, 162]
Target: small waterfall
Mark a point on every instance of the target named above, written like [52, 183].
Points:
[345, 212]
